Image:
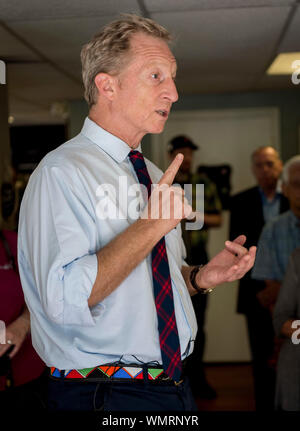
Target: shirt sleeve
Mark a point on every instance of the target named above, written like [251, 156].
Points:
[286, 304]
[183, 253]
[266, 266]
[57, 236]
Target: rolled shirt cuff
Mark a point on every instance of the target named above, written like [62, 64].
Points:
[78, 281]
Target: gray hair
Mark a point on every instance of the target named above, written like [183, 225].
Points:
[287, 166]
[106, 51]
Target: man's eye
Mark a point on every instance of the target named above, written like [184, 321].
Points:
[154, 75]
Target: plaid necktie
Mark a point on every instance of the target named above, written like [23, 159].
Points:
[167, 328]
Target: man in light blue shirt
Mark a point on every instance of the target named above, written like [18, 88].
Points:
[85, 240]
[279, 237]
[271, 208]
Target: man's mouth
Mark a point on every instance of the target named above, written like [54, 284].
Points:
[162, 112]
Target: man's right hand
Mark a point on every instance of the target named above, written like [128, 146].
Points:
[167, 205]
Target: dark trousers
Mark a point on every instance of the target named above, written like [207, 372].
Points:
[261, 337]
[30, 397]
[70, 395]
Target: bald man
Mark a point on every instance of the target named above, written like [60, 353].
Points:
[250, 210]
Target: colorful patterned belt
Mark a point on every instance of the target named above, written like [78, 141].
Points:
[121, 373]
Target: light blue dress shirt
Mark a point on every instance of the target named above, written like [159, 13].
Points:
[271, 208]
[278, 240]
[60, 231]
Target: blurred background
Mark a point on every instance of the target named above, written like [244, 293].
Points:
[229, 104]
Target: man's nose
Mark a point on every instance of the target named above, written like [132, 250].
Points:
[171, 90]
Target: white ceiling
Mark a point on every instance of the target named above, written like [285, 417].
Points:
[220, 45]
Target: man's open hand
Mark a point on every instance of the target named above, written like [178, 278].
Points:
[230, 264]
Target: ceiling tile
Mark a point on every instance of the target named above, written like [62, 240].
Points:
[221, 45]
[62, 39]
[227, 41]
[11, 49]
[291, 41]
[57, 9]
[179, 5]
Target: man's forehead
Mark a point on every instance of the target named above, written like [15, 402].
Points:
[265, 154]
[151, 47]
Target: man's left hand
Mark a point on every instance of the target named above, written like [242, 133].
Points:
[230, 264]
[16, 332]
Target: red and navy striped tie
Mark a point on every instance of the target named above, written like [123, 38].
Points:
[167, 328]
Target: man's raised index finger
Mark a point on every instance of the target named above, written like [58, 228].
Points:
[170, 174]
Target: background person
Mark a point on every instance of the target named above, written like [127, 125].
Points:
[250, 210]
[279, 238]
[287, 310]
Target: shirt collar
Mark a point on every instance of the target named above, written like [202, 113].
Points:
[112, 145]
[264, 197]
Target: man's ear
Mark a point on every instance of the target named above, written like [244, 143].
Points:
[105, 84]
